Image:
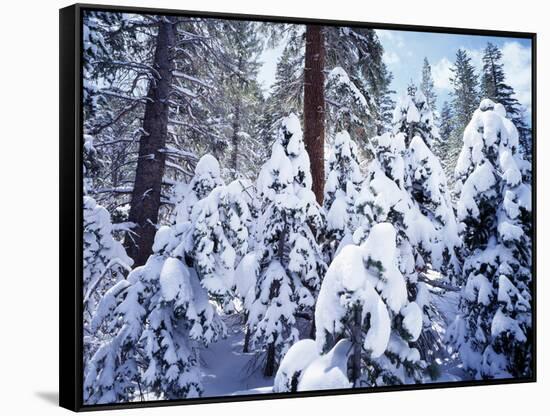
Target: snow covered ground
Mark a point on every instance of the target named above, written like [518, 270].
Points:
[227, 370]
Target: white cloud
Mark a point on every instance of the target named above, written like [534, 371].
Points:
[393, 43]
[441, 73]
[388, 36]
[390, 58]
[477, 58]
[517, 67]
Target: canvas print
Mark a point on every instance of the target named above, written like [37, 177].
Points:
[275, 207]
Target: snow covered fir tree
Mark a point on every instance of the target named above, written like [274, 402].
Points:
[285, 208]
[289, 260]
[493, 332]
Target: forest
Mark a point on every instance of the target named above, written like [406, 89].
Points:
[321, 232]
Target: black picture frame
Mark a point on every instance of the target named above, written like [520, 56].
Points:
[71, 193]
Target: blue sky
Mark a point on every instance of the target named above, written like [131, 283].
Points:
[404, 53]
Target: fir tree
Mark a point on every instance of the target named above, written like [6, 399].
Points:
[287, 92]
[341, 188]
[221, 233]
[427, 85]
[413, 117]
[364, 298]
[185, 196]
[358, 52]
[445, 123]
[493, 333]
[384, 103]
[494, 87]
[156, 319]
[240, 97]
[465, 93]
[446, 131]
[105, 261]
[104, 264]
[289, 263]
[347, 107]
[406, 186]
[464, 101]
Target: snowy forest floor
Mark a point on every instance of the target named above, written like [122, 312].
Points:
[239, 373]
[451, 367]
[236, 372]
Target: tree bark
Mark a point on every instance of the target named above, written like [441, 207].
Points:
[246, 346]
[235, 139]
[269, 370]
[145, 203]
[314, 107]
[357, 344]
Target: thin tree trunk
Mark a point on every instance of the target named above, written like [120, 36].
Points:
[246, 345]
[235, 139]
[312, 329]
[314, 107]
[145, 203]
[356, 340]
[269, 370]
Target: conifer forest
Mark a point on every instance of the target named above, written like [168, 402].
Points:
[274, 207]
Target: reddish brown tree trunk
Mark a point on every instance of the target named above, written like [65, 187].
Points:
[146, 195]
[314, 107]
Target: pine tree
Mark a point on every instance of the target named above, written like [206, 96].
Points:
[240, 97]
[364, 298]
[495, 88]
[155, 318]
[347, 107]
[406, 187]
[361, 80]
[207, 176]
[289, 263]
[413, 117]
[341, 188]
[425, 180]
[358, 52]
[287, 92]
[104, 264]
[465, 94]
[445, 123]
[221, 232]
[464, 101]
[203, 115]
[493, 332]
[104, 260]
[427, 85]
[146, 192]
[493, 80]
[446, 129]
[383, 101]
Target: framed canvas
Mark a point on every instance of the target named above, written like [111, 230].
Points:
[259, 207]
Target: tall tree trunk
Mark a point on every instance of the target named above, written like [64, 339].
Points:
[314, 107]
[145, 203]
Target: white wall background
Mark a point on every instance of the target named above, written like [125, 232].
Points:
[29, 205]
